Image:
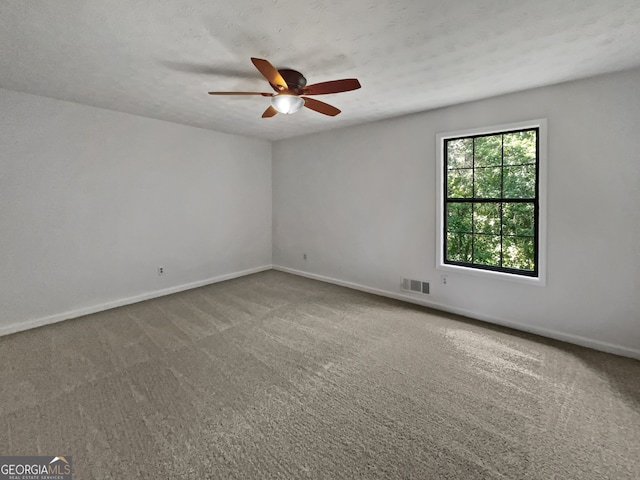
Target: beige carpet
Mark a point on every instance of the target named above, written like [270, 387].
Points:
[277, 376]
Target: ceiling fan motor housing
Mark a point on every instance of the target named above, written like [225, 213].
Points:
[295, 81]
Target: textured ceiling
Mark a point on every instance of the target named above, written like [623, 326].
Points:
[159, 58]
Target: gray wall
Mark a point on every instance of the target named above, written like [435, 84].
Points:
[361, 203]
[92, 201]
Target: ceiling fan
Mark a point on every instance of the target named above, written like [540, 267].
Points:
[291, 89]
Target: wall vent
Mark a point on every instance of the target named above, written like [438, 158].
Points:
[414, 285]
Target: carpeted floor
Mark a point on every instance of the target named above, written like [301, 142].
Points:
[277, 376]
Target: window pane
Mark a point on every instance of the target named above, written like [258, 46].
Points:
[488, 182]
[459, 247]
[488, 151]
[518, 219]
[486, 218]
[459, 217]
[460, 183]
[460, 153]
[490, 190]
[520, 182]
[520, 147]
[518, 253]
[486, 250]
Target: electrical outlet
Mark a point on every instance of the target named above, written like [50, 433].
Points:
[304, 256]
[444, 279]
[160, 271]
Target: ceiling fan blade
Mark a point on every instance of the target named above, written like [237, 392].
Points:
[242, 93]
[271, 73]
[269, 112]
[321, 107]
[333, 86]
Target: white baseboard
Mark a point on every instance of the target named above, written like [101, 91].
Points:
[565, 337]
[59, 317]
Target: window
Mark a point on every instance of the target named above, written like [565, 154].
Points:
[491, 207]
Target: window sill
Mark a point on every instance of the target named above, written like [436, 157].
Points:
[538, 281]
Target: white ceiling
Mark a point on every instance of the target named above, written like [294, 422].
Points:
[159, 58]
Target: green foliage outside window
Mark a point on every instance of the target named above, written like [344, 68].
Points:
[490, 201]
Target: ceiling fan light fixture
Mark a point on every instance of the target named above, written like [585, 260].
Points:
[286, 103]
[289, 85]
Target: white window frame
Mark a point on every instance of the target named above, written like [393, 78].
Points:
[541, 279]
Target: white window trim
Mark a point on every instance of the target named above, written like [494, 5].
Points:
[541, 279]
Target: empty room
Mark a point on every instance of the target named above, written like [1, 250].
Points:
[325, 240]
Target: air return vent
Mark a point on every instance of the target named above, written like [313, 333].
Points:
[414, 286]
